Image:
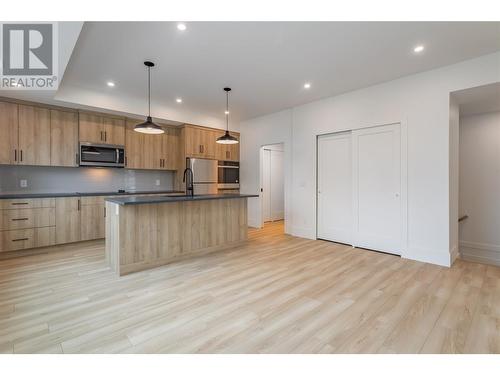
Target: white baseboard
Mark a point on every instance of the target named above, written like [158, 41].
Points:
[438, 257]
[480, 252]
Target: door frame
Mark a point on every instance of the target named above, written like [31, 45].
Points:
[404, 176]
[261, 179]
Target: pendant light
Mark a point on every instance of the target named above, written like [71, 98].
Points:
[149, 127]
[227, 139]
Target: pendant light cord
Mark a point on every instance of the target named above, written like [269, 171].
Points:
[149, 91]
[227, 110]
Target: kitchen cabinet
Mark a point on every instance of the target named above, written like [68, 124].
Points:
[92, 219]
[34, 136]
[199, 142]
[8, 133]
[26, 223]
[99, 129]
[151, 151]
[68, 219]
[228, 152]
[63, 138]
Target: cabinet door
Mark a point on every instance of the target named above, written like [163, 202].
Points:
[8, 133]
[91, 128]
[152, 151]
[134, 146]
[233, 151]
[114, 131]
[63, 138]
[193, 142]
[170, 149]
[208, 141]
[220, 149]
[92, 223]
[34, 135]
[67, 220]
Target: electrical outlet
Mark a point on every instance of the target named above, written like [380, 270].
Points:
[23, 183]
[157, 182]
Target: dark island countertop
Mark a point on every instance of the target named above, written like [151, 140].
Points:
[87, 194]
[124, 201]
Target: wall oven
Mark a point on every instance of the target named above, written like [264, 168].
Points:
[97, 155]
[228, 175]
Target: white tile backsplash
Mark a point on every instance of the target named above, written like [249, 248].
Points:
[82, 179]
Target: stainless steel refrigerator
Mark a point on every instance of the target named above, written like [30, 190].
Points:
[204, 175]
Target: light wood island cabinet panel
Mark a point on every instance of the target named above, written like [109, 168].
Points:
[34, 135]
[63, 138]
[68, 220]
[8, 133]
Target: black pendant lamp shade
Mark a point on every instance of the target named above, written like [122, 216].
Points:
[227, 139]
[149, 127]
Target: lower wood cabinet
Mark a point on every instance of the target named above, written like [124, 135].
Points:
[68, 219]
[21, 239]
[92, 219]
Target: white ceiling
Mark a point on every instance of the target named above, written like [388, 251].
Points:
[476, 100]
[266, 63]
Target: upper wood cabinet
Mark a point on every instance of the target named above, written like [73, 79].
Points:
[63, 138]
[134, 146]
[169, 149]
[33, 136]
[8, 133]
[99, 129]
[199, 142]
[228, 152]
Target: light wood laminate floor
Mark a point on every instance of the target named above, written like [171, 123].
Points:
[276, 294]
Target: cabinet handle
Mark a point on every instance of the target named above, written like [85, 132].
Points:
[101, 136]
[105, 136]
[15, 155]
[19, 219]
[19, 203]
[20, 239]
[21, 155]
[104, 211]
[79, 204]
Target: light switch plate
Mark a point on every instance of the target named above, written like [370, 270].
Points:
[23, 183]
[157, 182]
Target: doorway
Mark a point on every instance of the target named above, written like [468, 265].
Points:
[272, 183]
[359, 188]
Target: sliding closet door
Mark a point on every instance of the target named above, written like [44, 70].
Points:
[335, 187]
[376, 165]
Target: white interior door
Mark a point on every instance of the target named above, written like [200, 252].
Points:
[277, 185]
[335, 187]
[266, 184]
[376, 165]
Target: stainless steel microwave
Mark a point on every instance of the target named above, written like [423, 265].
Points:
[97, 155]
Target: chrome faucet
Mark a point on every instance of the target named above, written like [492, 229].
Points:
[189, 181]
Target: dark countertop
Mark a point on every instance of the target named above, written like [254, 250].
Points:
[180, 198]
[76, 194]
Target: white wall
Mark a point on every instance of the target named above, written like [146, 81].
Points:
[275, 128]
[480, 187]
[421, 102]
[454, 177]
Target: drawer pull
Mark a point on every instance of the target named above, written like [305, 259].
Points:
[19, 203]
[20, 239]
[19, 219]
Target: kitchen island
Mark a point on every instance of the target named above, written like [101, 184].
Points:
[147, 232]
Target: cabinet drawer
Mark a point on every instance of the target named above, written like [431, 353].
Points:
[9, 204]
[21, 239]
[27, 218]
[88, 201]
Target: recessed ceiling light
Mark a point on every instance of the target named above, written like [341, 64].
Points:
[181, 26]
[110, 84]
[307, 85]
[226, 112]
[418, 49]
[178, 100]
